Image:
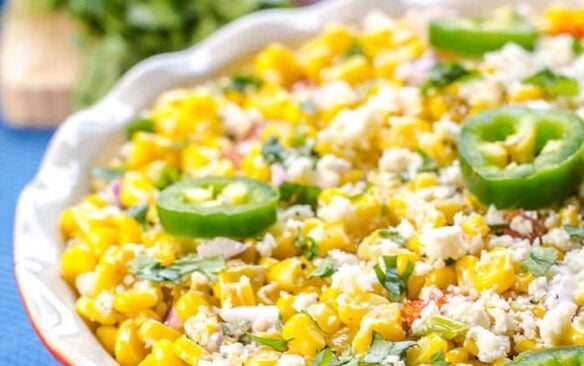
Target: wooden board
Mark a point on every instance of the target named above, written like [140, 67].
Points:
[38, 66]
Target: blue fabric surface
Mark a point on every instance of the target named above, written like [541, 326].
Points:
[20, 153]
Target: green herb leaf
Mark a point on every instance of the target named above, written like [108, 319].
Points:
[272, 151]
[299, 194]
[380, 349]
[310, 248]
[554, 84]
[575, 232]
[355, 49]
[539, 261]
[428, 163]
[438, 359]
[577, 46]
[325, 269]
[139, 125]
[326, 357]
[307, 107]
[393, 235]
[278, 344]
[445, 327]
[241, 83]
[138, 212]
[165, 176]
[148, 268]
[107, 174]
[395, 284]
[445, 73]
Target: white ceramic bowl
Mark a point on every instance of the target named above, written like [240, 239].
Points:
[93, 135]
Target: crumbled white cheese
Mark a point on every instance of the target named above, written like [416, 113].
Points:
[340, 257]
[262, 318]
[85, 283]
[338, 210]
[303, 301]
[353, 129]
[443, 243]
[556, 51]
[291, 360]
[329, 170]
[299, 168]
[236, 121]
[334, 94]
[521, 225]
[266, 246]
[354, 278]
[559, 238]
[467, 311]
[398, 160]
[537, 289]
[510, 63]
[491, 346]
[494, 216]
[405, 229]
[482, 91]
[555, 322]
[427, 312]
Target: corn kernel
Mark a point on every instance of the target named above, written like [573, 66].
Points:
[129, 349]
[305, 337]
[288, 274]
[135, 300]
[107, 335]
[152, 331]
[189, 304]
[76, 260]
[427, 347]
[188, 351]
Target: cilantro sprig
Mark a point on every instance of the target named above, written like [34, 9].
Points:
[148, 268]
[539, 261]
[389, 278]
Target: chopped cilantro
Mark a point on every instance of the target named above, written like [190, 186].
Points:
[139, 125]
[393, 235]
[445, 73]
[438, 359]
[299, 194]
[381, 349]
[325, 269]
[138, 212]
[107, 174]
[148, 268]
[308, 245]
[395, 284]
[355, 49]
[241, 83]
[539, 261]
[575, 232]
[272, 151]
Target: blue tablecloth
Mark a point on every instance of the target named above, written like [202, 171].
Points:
[20, 153]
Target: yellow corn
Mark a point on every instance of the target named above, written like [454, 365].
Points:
[457, 355]
[107, 335]
[163, 354]
[442, 277]
[305, 337]
[189, 304]
[353, 307]
[152, 331]
[77, 259]
[188, 351]
[475, 225]
[385, 320]
[288, 274]
[427, 347]
[278, 65]
[90, 310]
[129, 348]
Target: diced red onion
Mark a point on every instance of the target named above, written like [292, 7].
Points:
[172, 319]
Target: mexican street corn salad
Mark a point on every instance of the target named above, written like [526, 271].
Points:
[402, 192]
